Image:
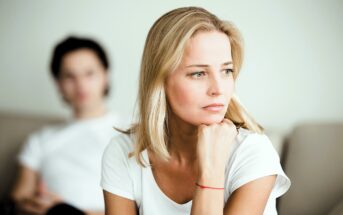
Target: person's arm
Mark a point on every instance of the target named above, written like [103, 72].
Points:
[29, 195]
[116, 180]
[214, 143]
[24, 191]
[25, 184]
[116, 205]
[250, 198]
[213, 147]
[209, 200]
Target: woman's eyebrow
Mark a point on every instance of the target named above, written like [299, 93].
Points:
[205, 65]
[227, 63]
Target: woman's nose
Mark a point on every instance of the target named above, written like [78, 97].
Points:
[215, 86]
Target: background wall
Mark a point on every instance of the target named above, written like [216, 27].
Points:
[292, 70]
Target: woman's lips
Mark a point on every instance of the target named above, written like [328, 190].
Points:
[214, 107]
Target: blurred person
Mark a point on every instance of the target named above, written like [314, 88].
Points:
[195, 149]
[60, 166]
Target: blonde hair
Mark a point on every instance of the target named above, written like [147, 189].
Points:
[163, 52]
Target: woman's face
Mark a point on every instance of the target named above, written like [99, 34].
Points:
[83, 79]
[200, 89]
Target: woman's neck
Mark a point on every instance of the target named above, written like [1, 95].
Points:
[183, 139]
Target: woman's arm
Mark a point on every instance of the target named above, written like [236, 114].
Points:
[250, 198]
[209, 201]
[116, 205]
[213, 147]
[214, 143]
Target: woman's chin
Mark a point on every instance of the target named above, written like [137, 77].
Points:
[198, 119]
[210, 121]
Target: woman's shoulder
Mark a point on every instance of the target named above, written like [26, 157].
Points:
[253, 142]
[121, 144]
[246, 135]
[118, 120]
[118, 174]
[255, 157]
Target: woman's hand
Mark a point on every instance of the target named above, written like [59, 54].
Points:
[213, 150]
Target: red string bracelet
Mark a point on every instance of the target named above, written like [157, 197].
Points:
[206, 187]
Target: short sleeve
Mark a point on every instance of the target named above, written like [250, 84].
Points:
[256, 157]
[115, 176]
[31, 152]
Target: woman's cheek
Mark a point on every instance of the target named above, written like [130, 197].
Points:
[185, 94]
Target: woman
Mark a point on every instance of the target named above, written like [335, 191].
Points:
[61, 164]
[195, 150]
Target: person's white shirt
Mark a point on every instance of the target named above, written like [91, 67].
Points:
[68, 158]
[252, 156]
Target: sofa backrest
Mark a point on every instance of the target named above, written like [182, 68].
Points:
[14, 129]
[314, 163]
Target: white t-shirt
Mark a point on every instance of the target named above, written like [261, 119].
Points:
[253, 156]
[68, 158]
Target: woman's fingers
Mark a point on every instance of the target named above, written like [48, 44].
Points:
[229, 122]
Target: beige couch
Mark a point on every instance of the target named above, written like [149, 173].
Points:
[313, 159]
[312, 156]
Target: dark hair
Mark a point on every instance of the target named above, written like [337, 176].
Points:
[71, 44]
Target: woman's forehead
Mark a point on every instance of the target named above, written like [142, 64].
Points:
[207, 47]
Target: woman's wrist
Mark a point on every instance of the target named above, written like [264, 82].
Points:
[208, 187]
[211, 179]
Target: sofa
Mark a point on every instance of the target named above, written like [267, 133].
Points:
[313, 159]
[311, 155]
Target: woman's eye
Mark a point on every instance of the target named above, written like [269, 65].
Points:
[197, 74]
[228, 71]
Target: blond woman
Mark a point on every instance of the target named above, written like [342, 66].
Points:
[195, 149]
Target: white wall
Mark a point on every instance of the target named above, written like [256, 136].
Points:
[292, 71]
